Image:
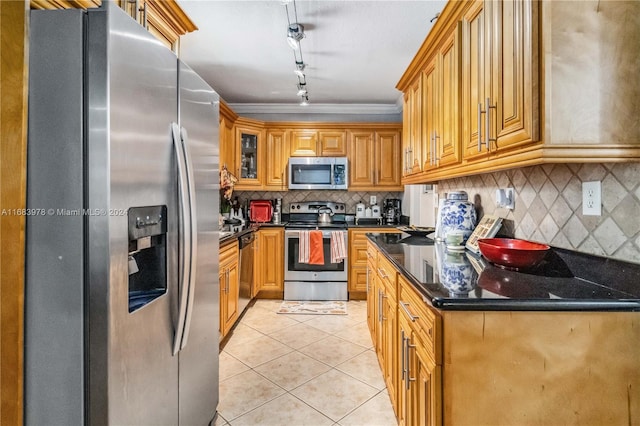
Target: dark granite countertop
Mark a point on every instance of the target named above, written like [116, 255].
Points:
[232, 232]
[564, 281]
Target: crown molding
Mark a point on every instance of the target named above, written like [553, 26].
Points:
[360, 109]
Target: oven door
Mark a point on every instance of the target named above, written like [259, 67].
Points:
[296, 271]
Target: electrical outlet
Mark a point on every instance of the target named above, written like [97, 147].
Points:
[373, 199]
[592, 198]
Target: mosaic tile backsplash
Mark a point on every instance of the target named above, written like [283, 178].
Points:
[294, 196]
[548, 206]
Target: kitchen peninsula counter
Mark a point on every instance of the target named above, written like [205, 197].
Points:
[557, 345]
[565, 280]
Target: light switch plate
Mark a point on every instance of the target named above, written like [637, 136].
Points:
[506, 198]
[592, 198]
[373, 199]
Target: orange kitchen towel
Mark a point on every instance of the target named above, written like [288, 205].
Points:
[338, 249]
[316, 250]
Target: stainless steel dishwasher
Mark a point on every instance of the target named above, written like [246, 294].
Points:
[245, 265]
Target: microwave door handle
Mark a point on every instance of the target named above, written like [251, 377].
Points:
[332, 171]
[183, 212]
[193, 239]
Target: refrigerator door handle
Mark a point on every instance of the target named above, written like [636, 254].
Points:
[193, 239]
[183, 231]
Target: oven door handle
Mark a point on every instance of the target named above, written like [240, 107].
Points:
[295, 233]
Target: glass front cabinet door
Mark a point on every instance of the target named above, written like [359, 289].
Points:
[249, 160]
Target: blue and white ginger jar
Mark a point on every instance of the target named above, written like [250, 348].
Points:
[458, 214]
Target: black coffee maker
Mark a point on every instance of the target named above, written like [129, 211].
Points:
[392, 211]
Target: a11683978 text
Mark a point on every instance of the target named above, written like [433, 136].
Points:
[62, 212]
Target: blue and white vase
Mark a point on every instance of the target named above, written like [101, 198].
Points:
[458, 214]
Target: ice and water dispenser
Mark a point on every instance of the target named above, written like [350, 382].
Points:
[147, 254]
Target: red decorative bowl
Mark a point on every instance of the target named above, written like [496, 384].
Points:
[511, 253]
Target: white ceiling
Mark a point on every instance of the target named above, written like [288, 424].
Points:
[355, 51]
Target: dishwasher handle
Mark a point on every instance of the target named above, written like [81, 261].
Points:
[246, 240]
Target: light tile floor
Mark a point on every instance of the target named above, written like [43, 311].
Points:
[284, 370]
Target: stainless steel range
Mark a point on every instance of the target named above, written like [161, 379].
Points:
[304, 281]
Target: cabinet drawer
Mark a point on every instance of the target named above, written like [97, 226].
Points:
[228, 252]
[358, 255]
[422, 318]
[372, 253]
[387, 274]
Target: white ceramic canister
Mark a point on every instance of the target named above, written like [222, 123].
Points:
[375, 210]
[458, 214]
[360, 209]
[367, 212]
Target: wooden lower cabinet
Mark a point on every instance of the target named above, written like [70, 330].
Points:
[389, 345]
[357, 279]
[504, 367]
[425, 388]
[229, 275]
[419, 388]
[385, 327]
[269, 262]
[371, 291]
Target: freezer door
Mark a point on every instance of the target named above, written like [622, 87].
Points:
[198, 123]
[131, 89]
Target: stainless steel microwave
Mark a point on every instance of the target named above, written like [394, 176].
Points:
[318, 173]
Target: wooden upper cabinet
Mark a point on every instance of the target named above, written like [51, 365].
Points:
[514, 73]
[430, 113]
[374, 160]
[249, 155]
[333, 143]
[473, 79]
[165, 19]
[227, 137]
[304, 143]
[412, 154]
[447, 139]
[314, 143]
[440, 142]
[500, 76]
[388, 162]
[361, 156]
[64, 4]
[277, 152]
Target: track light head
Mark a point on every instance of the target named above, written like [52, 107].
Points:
[299, 71]
[295, 33]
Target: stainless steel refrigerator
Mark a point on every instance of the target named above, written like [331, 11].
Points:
[121, 299]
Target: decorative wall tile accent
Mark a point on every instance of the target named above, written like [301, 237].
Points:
[549, 206]
[293, 196]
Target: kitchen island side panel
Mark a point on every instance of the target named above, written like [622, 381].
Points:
[541, 368]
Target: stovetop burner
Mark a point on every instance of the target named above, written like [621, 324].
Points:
[304, 215]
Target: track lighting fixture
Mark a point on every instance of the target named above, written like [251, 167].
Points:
[295, 33]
